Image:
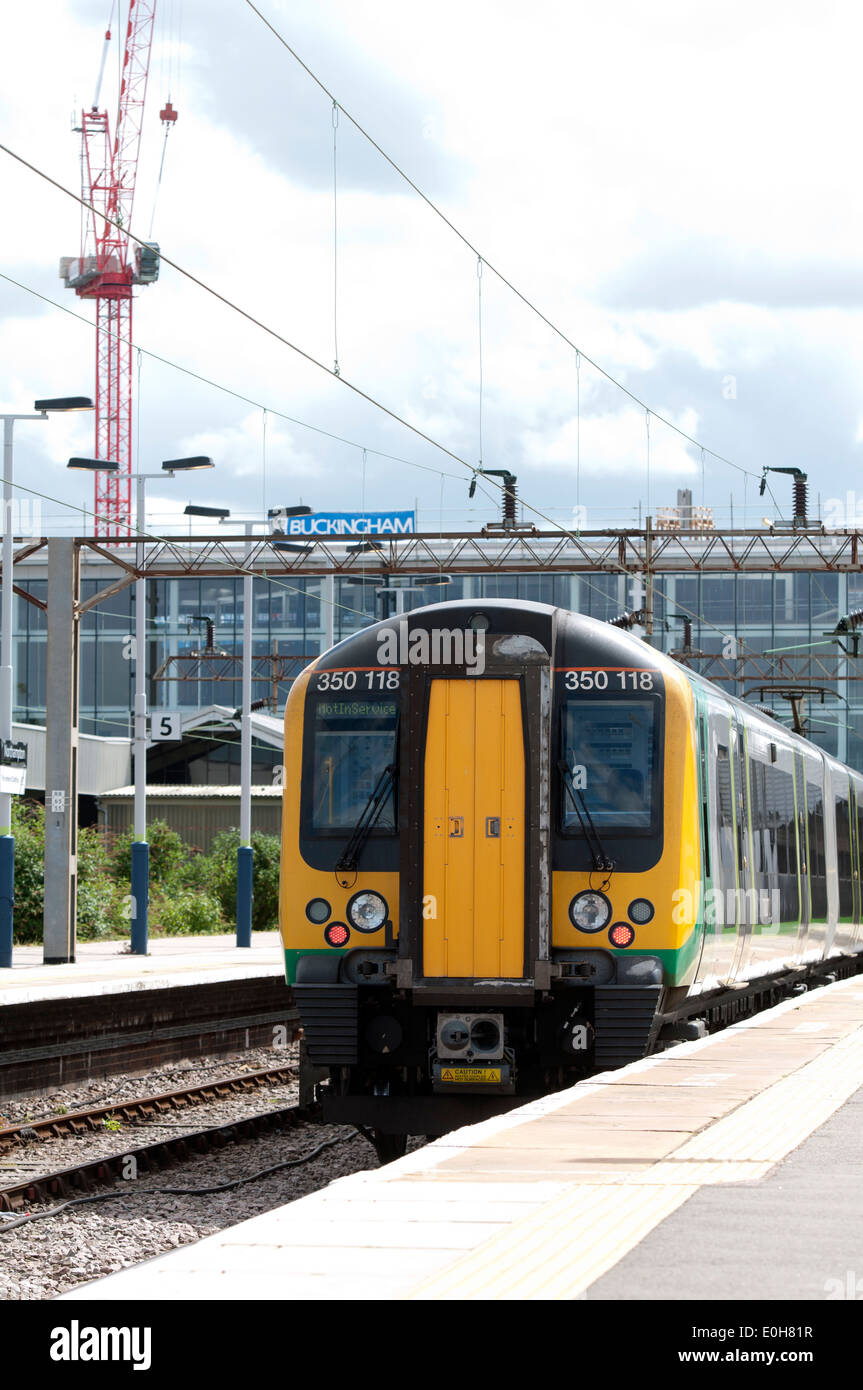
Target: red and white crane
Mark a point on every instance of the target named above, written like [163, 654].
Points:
[108, 268]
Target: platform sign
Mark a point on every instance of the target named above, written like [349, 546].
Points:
[166, 728]
[13, 767]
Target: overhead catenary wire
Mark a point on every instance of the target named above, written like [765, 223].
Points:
[344, 381]
[478, 254]
[229, 391]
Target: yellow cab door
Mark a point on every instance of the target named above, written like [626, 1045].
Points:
[474, 831]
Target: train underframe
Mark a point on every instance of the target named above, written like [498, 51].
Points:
[425, 1061]
[429, 1059]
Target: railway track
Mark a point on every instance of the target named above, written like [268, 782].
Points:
[83, 1178]
[143, 1107]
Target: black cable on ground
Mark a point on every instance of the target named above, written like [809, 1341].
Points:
[175, 1191]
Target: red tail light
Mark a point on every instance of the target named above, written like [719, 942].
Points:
[621, 934]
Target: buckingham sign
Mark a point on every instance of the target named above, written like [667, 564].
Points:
[351, 524]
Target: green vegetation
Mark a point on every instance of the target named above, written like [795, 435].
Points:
[191, 894]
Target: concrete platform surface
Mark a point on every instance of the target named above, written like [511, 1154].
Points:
[106, 967]
[669, 1178]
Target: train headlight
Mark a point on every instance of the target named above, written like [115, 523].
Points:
[367, 911]
[590, 911]
[318, 911]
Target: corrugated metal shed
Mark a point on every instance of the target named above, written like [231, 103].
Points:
[102, 762]
[198, 814]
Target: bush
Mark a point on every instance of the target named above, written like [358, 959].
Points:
[196, 873]
[186, 913]
[167, 853]
[265, 877]
[28, 827]
[100, 913]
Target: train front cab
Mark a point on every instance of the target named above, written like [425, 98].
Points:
[481, 985]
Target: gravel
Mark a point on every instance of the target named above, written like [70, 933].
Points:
[48, 1257]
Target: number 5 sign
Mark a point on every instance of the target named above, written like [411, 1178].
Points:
[166, 728]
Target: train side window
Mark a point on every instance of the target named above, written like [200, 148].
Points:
[756, 804]
[843, 850]
[726, 809]
[705, 804]
[817, 866]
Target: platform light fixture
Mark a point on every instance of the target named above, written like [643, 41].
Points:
[221, 512]
[53, 404]
[61, 404]
[278, 542]
[188, 465]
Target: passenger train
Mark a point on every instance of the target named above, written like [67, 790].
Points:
[520, 845]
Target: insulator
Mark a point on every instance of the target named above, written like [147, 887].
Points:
[509, 499]
[800, 508]
[687, 634]
[627, 620]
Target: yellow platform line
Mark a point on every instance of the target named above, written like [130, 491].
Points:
[571, 1241]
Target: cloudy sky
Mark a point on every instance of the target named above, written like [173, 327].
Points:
[675, 186]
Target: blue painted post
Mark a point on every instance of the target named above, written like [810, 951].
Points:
[245, 867]
[7, 898]
[140, 894]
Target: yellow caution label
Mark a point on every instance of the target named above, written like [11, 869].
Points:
[471, 1074]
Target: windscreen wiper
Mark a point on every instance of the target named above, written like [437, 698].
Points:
[349, 857]
[601, 861]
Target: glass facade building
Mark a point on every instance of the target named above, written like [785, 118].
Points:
[775, 612]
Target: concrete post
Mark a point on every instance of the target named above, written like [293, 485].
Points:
[61, 753]
[328, 598]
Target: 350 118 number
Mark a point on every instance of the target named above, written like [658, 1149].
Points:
[351, 680]
[605, 680]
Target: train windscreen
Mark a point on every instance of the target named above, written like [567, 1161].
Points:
[609, 747]
[354, 741]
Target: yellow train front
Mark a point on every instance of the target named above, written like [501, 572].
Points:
[459, 782]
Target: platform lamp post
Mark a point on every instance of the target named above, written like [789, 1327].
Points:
[140, 876]
[60, 405]
[245, 853]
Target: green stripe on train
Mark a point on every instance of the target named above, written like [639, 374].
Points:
[291, 958]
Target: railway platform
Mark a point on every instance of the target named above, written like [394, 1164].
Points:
[725, 1169]
[111, 1010]
[107, 967]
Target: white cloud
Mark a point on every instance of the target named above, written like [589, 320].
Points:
[587, 141]
[615, 444]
